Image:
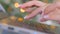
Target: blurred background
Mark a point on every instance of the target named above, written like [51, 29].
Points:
[12, 18]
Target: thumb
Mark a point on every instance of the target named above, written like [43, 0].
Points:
[44, 18]
[33, 14]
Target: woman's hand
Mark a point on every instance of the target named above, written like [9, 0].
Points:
[52, 12]
[28, 5]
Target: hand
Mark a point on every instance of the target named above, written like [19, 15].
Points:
[29, 4]
[52, 12]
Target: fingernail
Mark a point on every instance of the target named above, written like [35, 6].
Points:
[25, 17]
[46, 16]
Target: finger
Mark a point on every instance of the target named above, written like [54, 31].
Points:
[34, 13]
[49, 8]
[51, 17]
[54, 16]
[27, 4]
[32, 3]
[40, 3]
[29, 10]
[43, 19]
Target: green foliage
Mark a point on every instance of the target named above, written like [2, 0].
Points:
[50, 1]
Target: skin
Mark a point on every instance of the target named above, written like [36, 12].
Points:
[52, 10]
[30, 4]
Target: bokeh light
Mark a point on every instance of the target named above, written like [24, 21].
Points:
[16, 4]
[52, 27]
[20, 19]
[22, 10]
[12, 17]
